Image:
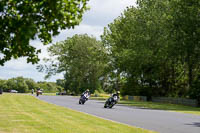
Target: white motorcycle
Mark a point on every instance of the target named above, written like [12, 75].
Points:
[83, 98]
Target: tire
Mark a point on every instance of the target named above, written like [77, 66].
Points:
[111, 106]
[79, 101]
[106, 104]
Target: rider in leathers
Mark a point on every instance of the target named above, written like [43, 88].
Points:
[116, 94]
[87, 92]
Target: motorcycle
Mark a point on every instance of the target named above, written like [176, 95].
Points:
[39, 92]
[110, 102]
[83, 98]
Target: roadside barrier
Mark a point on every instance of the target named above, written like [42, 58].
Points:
[182, 101]
[135, 98]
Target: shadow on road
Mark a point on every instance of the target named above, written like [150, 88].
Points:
[196, 124]
[100, 102]
[135, 107]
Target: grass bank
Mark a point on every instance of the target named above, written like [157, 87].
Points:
[163, 106]
[26, 114]
[100, 96]
[49, 94]
[153, 105]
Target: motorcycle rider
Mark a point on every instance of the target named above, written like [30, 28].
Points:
[111, 101]
[38, 91]
[86, 93]
[117, 95]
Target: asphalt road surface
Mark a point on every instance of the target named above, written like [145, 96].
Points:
[156, 120]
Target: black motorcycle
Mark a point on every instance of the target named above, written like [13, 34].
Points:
[110, 102]
[83, 98]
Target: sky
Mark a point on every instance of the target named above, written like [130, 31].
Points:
[101, 13]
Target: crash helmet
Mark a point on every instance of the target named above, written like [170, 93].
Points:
[118, 92]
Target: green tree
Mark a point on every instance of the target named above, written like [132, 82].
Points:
[31, 84]
[81, 58]
[11, 85]
[3, 84]
[60, 82]
[48, 86]
[136, 44]
[156, 46]
[18, 84]
[23, 20]
[185, 32]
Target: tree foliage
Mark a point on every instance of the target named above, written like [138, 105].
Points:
[25, 85]
[23, 20]
[81, 58]
[156, 46]
[49, 86]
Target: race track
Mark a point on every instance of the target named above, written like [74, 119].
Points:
[157, 120]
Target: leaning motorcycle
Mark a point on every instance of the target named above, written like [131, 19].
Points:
[110, 102]
[83, 98]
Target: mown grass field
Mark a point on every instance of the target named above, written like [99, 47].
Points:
[25, 114]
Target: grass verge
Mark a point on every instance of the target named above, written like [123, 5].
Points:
[26, 114]
[154, 105]
[100, 96]
[49, 94]
[163, 106]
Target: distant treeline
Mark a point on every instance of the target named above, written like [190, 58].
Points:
[25, 85]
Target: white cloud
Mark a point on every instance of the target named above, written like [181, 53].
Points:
[17, 68]
[81, 29]
[102, 13]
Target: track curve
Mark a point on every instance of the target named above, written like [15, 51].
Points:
[157, 120]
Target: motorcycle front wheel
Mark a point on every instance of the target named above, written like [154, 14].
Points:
[79, 102]
[106, 104]
[111, 106]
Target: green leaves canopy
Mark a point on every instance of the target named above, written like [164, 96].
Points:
[157, 45]
[81, 58]
[23, 20]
